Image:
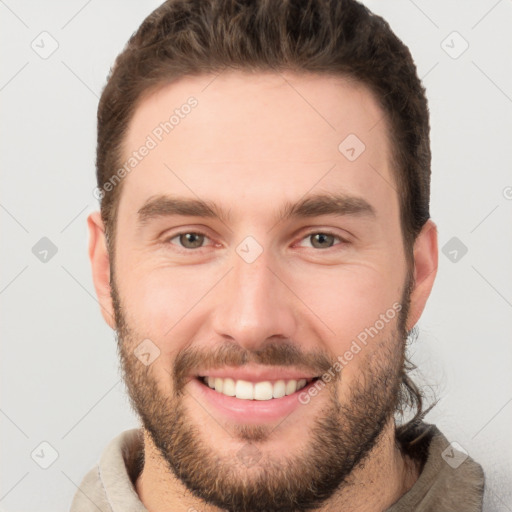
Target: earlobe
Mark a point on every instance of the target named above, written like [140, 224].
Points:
[425, 270]
[100, 263]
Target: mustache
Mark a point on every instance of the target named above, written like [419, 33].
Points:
[231, 354]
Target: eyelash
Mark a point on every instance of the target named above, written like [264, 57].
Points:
[307, 235]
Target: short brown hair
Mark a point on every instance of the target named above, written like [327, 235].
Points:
[334, 37]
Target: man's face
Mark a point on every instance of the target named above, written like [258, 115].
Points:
[257, 295]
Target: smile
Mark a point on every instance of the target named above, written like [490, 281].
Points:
[264, 390]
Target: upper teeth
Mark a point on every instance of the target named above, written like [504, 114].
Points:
[245, 390]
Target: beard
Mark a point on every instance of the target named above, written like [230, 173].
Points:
[342, 435]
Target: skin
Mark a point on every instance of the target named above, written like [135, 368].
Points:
[251, 145]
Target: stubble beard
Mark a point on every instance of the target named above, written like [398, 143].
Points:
[339, 439]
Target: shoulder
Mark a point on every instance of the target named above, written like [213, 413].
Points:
[449, 480]
[110, 483]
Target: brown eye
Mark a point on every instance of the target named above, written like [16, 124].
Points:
[190, 240]
[322, 240]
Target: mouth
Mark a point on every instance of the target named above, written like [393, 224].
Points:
[257, 391]
[252, 395]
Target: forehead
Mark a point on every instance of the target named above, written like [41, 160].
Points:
[258, 136]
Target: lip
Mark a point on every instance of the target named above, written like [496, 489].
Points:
[247, 411]
[256, 374]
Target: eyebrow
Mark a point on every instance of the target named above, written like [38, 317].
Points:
[310, 206]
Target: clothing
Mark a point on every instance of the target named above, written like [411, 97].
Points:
[109, 487]
[446, 484]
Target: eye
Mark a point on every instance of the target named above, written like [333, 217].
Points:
[190, 240]
[322, 240]
[195, 240]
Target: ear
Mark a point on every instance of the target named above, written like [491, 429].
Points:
[100, 263]
[425, 271]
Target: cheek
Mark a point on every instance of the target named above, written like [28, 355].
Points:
[161, 302]
[353, 301]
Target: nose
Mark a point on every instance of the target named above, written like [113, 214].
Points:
[255, 305]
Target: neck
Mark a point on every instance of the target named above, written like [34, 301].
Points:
[374, 486]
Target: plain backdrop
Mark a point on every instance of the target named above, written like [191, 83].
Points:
[60, 378]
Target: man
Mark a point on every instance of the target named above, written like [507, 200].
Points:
[263, 251]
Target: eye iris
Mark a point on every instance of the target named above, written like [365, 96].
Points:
[191, 240]
[321, 238]
[194, 240]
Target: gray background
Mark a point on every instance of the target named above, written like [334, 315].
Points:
[60, 379]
